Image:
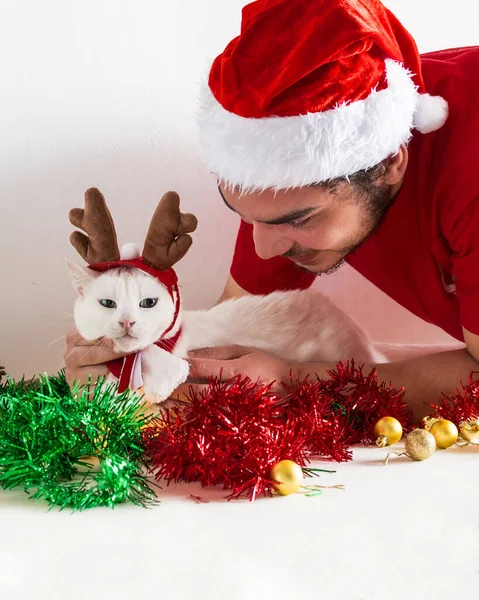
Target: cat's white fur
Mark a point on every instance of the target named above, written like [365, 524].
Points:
[162, 371]
[303, 326]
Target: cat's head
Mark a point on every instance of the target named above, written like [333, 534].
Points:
[125, 305]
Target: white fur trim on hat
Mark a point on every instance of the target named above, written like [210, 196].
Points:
[286, 152]
[431, 113]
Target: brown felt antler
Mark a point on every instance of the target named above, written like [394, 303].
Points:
[100, 244]
[167, 240]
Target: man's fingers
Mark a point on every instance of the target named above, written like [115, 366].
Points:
[219, 353]
[78, 354]
[85, 374]
[75, 339]
[86, 356]
[183, 392]
[202, 368]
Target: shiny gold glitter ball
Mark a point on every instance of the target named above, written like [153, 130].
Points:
[420, 444]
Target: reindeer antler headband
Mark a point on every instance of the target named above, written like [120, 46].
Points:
[166, 242]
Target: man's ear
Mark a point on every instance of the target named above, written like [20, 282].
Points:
[396, 166]
[80, 276]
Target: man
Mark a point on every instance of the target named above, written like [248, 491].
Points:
[335, 141]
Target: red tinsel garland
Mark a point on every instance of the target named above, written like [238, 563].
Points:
[234, 432]
[230, 435]
[344, 409]
[460, 407]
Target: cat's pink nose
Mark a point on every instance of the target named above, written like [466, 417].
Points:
[127, 324]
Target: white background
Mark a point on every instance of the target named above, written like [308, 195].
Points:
[407, 531]
[103, 93]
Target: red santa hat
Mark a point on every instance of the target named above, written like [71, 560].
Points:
[312, 90]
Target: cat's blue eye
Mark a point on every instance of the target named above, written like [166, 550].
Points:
[149, 302]
[107, 303]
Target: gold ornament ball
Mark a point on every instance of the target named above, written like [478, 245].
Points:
[420, 444]
[470, 431]
[428, 422]
[388, 431]
[288, 475]
[445, 433]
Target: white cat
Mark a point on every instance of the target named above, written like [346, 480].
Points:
[303, 326]
[133, 309]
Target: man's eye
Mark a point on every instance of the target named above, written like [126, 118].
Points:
[300, 222]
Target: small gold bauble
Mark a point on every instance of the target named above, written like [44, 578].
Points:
[428, 422]
[388, 431]
[470, 430]
[420, 444]
[288, 477]
[92, 463]
[445, 433]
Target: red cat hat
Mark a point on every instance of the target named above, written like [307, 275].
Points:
[312, 90]
[166, 242]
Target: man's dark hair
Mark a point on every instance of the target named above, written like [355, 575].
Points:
[364, 181]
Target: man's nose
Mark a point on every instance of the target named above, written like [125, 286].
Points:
[269, 241]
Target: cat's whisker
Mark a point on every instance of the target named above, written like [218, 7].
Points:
[68, 354]
[104, 343]
[77, 337]
[62, 337]
[46, 326]
[90, 348]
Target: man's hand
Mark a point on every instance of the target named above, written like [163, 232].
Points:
[87, 359]
[228, 361]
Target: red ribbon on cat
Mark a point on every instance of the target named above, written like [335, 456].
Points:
[123, 368]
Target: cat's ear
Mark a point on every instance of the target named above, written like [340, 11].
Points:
[80, 276]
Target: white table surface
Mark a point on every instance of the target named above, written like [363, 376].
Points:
[406, 530]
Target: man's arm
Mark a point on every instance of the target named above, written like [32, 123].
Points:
[232, 290]
[472, 343]
[425, 378]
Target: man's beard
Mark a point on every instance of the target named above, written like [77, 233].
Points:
[376, 206]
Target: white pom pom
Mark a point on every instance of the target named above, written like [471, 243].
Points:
[431, 113]
[129, 252]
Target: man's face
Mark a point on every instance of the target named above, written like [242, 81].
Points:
[314, 227]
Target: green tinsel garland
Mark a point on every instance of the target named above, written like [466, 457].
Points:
[49, 434]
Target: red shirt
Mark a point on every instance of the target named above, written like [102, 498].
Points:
[425, 255]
